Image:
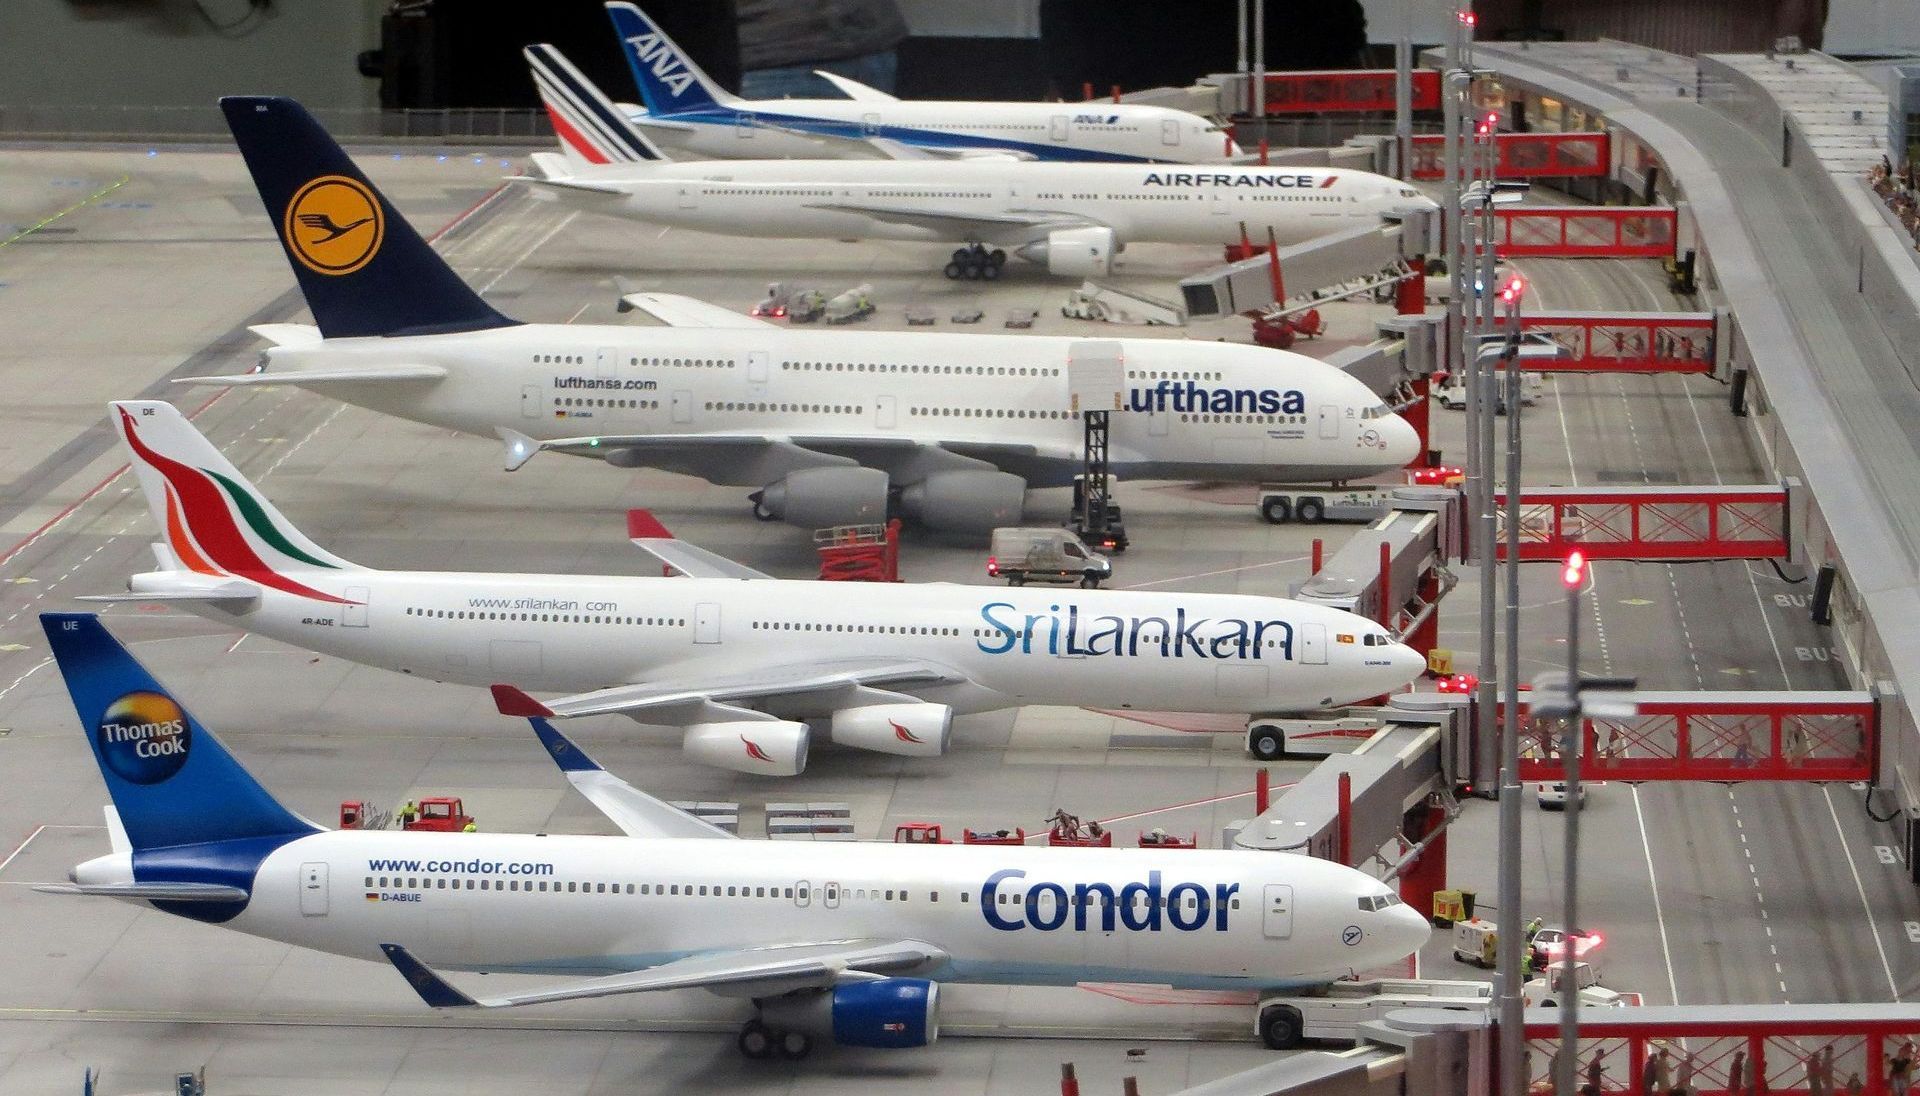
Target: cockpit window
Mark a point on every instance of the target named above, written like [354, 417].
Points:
[1375, 903]
[1409, 192]
[1376, 639]
[1377, 411]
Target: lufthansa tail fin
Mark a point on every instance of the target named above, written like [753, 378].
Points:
[592, 130]
[362, 267]
[214, 522]
[670, 82]
[171, 781]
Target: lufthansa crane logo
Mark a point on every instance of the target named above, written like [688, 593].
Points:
[334, 225]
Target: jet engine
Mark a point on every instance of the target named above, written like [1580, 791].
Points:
[765, 747]
[909, 730]
[965, 502]
[888, 1013]
[1074, 252]
[814, 498]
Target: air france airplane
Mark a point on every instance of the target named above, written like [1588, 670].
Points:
[1071, 218]
[692, 115]
[848, 942]
[826, 427]
[737, 659]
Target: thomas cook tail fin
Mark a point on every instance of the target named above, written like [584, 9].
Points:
[363, 268]
[214, 522]
[173, 784]
[670, 82]
[592, 130]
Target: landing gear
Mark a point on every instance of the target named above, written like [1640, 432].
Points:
[763, 1044]
[976, 263]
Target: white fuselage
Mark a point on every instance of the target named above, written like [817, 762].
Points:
[602, 905]
[1267, 414]
[1006, 203]
[766, 129]
[1097, 648]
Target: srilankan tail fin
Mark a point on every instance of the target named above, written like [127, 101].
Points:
[172, 783]
[592, 130]
[362, 267]
[214, 522]
[670, 82]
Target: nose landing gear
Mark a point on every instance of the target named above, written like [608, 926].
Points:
[976, 263]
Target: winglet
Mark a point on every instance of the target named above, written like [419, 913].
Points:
[511, 701]
[520, 448]
[432, 988]
[570, 758]
[642, 525]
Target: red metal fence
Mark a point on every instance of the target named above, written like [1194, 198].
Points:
[1347, 90]
[1787, 736]
[1580, 232]
[1650, 523]
[1523, 155]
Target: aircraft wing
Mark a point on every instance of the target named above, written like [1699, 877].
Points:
[678, 310]
[900, 150]
[962, 223]
[653, 538]
[634, 811]
[749, 972]
[381, 375]
[855, 90]
[669, 701]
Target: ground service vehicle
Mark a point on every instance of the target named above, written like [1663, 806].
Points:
[1334, 1011]
[1045, 555]
[1311, 504]
[854, 304]
[1544, 991]
[1475, 941]
[774, 305]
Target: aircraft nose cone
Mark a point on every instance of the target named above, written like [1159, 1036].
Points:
[1405, 930]
[1402, 442]
[1407, 664]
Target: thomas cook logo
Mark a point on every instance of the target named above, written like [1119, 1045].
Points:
[334, 225]
[144, 737]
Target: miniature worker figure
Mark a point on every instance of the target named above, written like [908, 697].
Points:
[470, 828]
[408, 812]
[1854, 1087]
[1657, 1077]
[1814, 1085]
[1737, 1074]
[1900, 1069]
[1597, 1071]
[1683, 1079]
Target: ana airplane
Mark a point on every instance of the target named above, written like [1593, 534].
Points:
[828, 427]
[735, 657]
[693, 116]
[1071, 218]
[842, 941]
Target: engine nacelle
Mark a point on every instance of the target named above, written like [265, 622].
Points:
[889, 1013]
[814, 498]
[1074, 252]
[909, 730]
[764, 747]
[966, 502]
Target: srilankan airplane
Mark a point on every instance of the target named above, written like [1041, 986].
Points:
[1072, 218]
[737, 659]
[826, 427]
[694, 117]
[844, 941]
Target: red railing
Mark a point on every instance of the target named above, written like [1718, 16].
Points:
[1649, 523]
[1580, 232]
[1346, 91]
[1523, 155]
[1790, 736]
[1626, 342]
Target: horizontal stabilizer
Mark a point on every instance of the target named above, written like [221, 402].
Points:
[157, 892]
[679, 310]
[302, 377]
[187, 590]
[578, 186]
[288, 334]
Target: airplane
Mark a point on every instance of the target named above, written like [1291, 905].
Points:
[846, 941]
[1072, 218]
[828, 427]
[696, 118]
[737, 659]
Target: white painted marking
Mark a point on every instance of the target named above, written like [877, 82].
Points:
[22, 847]
[1913, 931]
[1659, 915]
[1862, 888]
[1885, 853]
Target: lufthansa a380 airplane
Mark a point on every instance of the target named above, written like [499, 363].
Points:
[690, 114]
[737, 658]
[1071, 218]
[827, 427]
[848, 942]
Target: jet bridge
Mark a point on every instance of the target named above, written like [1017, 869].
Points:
[1251, 285]
[1394, 571]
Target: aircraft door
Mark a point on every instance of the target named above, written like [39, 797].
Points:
[802, 893]
[530, 401]
[757, 372]
[689, 195]
[1313, 644]
[830, 895]
[870, 124]
[1329, 421]
[1058, 128]
[885, 412]
[1277, 920]
[706, 622]
[313, 890]
[683, 406]
[354, 615]
[606, 361]
[1170, 132]
[743, 126]
[1219, 203]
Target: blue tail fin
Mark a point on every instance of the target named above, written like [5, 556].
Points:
[363, 268]
[670, 82]
[172, 782]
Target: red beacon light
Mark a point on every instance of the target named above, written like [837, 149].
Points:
[1458, 683]
[993, 567]
[1574, 574]
[1468, 17]
[1515, 288]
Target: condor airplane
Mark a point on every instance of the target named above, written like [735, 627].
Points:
[692, 115]
[1071, 218]
[848, 942]
[736, 658]
[826, 427]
